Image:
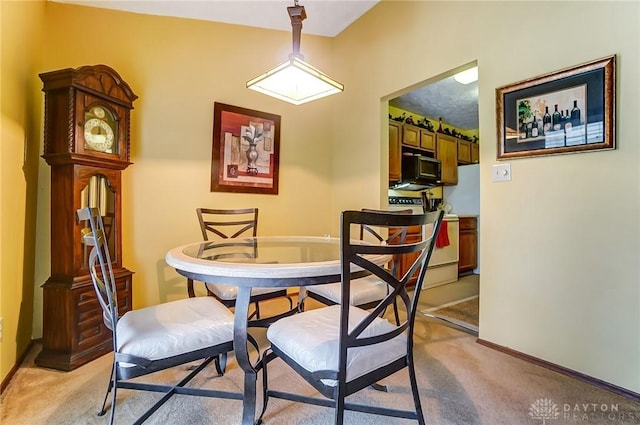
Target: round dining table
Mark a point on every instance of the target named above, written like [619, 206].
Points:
[277, 261]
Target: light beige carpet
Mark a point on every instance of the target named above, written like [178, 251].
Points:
[461, 383]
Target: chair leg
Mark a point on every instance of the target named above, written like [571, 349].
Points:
[190, 290]
[265, 396]
[102, 410]
[221, 364]
[302, 295]
[414, 390]
[380, 387]
[339, 413]
[112, 413]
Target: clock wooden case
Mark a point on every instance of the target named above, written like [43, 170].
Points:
[86, 143]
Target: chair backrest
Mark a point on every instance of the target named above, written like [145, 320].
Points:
[100, 266]
[227, 223]
[394, 236]
[355, 253]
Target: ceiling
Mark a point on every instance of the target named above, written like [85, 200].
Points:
[324, 17]
[456, 103]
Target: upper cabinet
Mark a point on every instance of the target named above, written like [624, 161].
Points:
[475, 153]
[417, 137]
[447, 153]
[464, 152]
[395, 151]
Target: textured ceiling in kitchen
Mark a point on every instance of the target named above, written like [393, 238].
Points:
[456, 103]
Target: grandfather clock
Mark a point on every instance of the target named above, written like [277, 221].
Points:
[86, 143]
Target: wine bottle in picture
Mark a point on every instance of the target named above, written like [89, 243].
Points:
[575, 114]
[546, 120]
[555, 119]
[534, 127]
[567, 122]
[523, 130]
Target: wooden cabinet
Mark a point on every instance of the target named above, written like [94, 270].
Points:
[395, 151]
[411, 135]
[427, 140]
[413, 235]
[464, 151]
[447, 153]
[417, 137]
[468, 239]
[475, 153]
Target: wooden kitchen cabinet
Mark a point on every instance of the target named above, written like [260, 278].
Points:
[475, 153]
[395, 151]
[464, 152]
[417, 137]
[427, 140]
[411, 135]
[413, 235]
[447, 153]
[468, 239]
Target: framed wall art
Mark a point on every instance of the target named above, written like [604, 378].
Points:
[567, 111]
[246, 150]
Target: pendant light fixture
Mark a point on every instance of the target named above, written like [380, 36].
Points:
[295, 81]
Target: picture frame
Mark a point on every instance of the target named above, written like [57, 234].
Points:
[566, 111]
[245, 154]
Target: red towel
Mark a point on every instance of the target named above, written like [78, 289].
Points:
[442, 239]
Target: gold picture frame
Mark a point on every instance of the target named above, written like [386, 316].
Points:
[567, 111]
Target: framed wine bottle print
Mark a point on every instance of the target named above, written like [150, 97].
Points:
[567, 111]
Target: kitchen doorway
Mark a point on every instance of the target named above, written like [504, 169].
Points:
[444, 107]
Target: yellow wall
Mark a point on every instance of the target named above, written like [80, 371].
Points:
[396, 112]
[21, 26]
[560, 243]
[178, 68]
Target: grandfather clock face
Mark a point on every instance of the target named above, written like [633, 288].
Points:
[100, 129]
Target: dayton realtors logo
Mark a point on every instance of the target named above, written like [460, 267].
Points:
[545, 409]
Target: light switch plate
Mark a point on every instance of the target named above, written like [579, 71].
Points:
[501, 173]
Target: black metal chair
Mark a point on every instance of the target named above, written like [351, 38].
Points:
[366, 292]
[232, 223]
[356, 347]
[155, 338]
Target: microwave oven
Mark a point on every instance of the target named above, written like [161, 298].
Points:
[419, 172]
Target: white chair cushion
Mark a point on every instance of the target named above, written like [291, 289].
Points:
[363, 291]
[173, 328]
[230, 292]
[311, 339]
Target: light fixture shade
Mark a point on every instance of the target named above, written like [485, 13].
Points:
[295, 81]
[468, 76]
